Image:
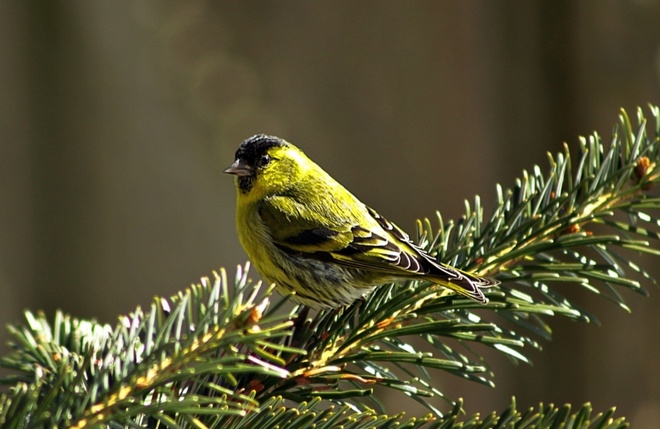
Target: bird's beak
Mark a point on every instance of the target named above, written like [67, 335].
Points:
[239, 168]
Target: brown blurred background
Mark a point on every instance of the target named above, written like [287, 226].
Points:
[117, 119]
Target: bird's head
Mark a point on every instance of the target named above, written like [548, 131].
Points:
[267, 165]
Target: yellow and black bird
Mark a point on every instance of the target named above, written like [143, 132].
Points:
[306, 233]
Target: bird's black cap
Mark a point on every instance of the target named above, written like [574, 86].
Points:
[256, 146]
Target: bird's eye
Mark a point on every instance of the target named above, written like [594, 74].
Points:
[263, 161]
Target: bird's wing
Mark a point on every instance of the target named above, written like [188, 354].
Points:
[348, 235]
[305, 228]
[364, 241]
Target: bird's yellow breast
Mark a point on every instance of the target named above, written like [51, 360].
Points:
[252, 232]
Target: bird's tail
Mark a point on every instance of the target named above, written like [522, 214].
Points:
[463, 283]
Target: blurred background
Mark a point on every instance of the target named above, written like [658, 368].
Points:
[117, 119]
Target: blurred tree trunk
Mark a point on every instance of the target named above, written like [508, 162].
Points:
[59, 177]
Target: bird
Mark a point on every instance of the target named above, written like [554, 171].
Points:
[306, 233]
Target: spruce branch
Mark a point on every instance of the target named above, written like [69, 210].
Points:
[193, 355]
[222, 355]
